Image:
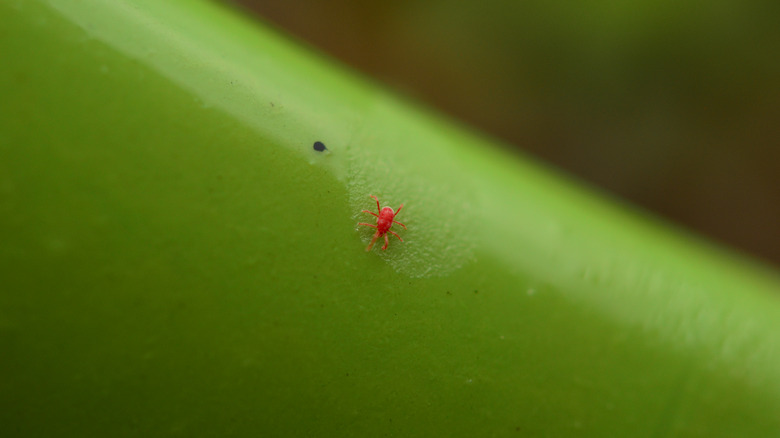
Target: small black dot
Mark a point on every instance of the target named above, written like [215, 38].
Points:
[319, 146]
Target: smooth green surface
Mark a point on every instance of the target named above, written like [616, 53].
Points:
[176, 259]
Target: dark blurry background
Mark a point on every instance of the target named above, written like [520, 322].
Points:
[671, 104]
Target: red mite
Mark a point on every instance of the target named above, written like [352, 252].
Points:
[383, 223]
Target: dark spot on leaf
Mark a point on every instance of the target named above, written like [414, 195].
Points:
[319, 146]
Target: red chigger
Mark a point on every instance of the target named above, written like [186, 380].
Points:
[383, 223]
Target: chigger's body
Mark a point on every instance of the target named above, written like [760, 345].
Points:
[385, 220]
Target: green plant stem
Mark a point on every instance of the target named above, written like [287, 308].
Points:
[177, 258]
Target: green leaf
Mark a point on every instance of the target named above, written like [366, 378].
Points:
[177, 258]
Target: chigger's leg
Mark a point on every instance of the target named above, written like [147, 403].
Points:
[396, 235]
[368, 225]
[387, 242]
[396, 214]
[378, 208]
[376, 236]
[371, 212]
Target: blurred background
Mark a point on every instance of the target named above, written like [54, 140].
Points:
[673, 105]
